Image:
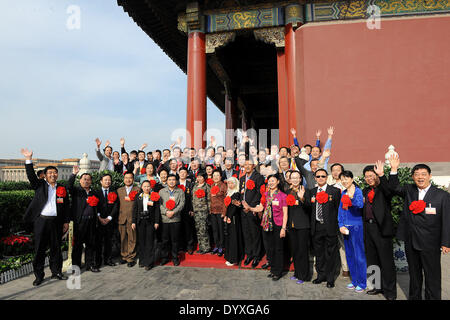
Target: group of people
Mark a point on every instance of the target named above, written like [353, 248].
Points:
[245, 204]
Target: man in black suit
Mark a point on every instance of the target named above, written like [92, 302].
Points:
[187, 214]
[424, 226]
[49, 212]
[379, 229]
[324, 227]
[194, 169]
[249, 187]
[108, 209]
[84, 217]
[229, 170]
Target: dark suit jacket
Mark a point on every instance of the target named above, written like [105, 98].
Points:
[308, 175]
[79, 197]
[329, 209]
[381, 207]
[108, 209]
[119, 167]
[188, 196]
[224, 175]
[40, 198]
[252, 197]
[425, 231]
[153, 211]
[298, 215]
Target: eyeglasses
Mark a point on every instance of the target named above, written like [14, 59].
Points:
[321, 176]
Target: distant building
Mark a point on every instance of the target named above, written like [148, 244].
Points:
[14, 169]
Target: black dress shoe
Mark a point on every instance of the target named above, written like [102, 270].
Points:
[265, 265]
[247, 261]
[374, 292]
[59, 276]
[255, 263]
[163, 262]
[123, 261]
[93, 269]
[276, 278]
[330, 285]
[141, 265]
[110, 263]
[38, 281]
[176, 262]
[148, 268]
[131, 264]
[270, 275]
[318, 281]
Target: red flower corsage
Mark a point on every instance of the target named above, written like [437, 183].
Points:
[417, 206]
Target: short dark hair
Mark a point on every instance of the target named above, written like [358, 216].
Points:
[369, 168]
[157, 150]
[107, 148]
[166, 150]
[347, 174]
[133, 152]
[287, 149]
[163, 169]
[128, 172]
[183, 169]
[173, 159]
[337, 164]
[141, 151]
[178, 148]
[39, 172]
[307, 145]
[296, 171]
[314, 159]
[125, 153]
[50, 168]
[321, 169]
[148, 154]
[320, 149]
[171, 175]
[106, 175]
[420, 166]
[116, 152]
[85, 174]
[218, 171]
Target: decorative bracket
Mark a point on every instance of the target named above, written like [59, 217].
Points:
[216, 40]
[274, 35]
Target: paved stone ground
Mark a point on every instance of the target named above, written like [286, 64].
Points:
[166, 282]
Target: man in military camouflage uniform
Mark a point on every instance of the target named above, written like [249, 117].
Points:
[200, 206]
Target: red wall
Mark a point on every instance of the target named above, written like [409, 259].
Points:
[377, 87]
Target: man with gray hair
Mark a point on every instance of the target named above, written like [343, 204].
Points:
[106, 160]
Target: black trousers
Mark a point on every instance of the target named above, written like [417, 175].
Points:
[104, 240]
[299, 240]
[146, 242]
[252, 235]
[218, 230]
[379, 252]
[428, 262]
[84, 233]
[188, 231]
[274, 249]
[326, 251]
[47, 232]
[170, 236]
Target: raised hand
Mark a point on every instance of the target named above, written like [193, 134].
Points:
[394, 160]
[330, 131]
[293, 131]
[144, 145]
[107, 143]
[75, 169]
[379, 168]
[326, 153]
[28, 154]
[301, 192]
[122, 142]
[318, 133]
[172, 145]
[98, 142]
[136, 165]
[179, 139]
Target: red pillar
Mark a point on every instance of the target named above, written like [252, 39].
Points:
[290, 72]
[283, 123]
[196, 91]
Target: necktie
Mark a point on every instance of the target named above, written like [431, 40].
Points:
[106, 194]
[319, 209]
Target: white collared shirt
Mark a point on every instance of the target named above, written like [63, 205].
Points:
[50, 207]
[128, 189]
[145, 203]
[324, 188]
[423, 192]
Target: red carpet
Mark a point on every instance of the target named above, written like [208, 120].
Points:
[209, 260]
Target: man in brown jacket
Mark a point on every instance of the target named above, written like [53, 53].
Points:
[126, 206]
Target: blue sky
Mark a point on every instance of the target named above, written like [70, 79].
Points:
[61, 88]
